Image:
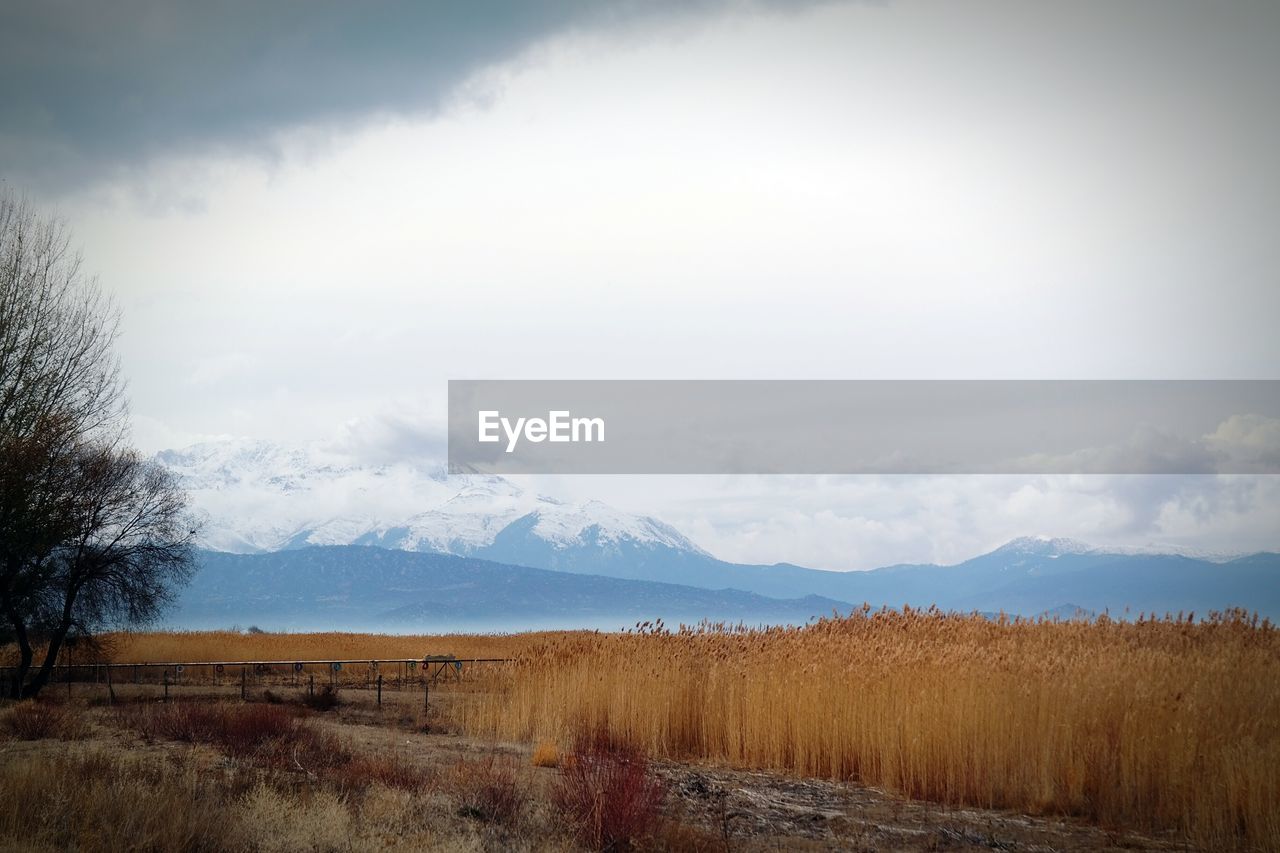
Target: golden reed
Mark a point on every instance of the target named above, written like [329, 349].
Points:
[1166, 724]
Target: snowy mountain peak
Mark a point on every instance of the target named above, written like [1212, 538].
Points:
[565, 525]
[1043, 546]
[1046, 546]
[257, 496]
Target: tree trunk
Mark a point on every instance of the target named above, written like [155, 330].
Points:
[43, 674]
[25, 655]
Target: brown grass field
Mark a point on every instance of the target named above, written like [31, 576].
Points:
[1166, 729]
[1162, 724]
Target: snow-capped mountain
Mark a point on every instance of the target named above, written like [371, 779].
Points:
[259, 498]
[255, 496]
[1052, 547]
[1043, 546]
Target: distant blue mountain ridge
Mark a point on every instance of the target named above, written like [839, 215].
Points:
[355, 587]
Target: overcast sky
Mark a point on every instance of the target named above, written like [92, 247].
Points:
[313, 215]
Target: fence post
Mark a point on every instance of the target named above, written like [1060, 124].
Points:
[166, 685]
[311, 685]
[111, 691]
[426, 692]
[379, 691]
[244, 683]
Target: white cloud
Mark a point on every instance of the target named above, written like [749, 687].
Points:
[1248, 441]
[865, 522]
[900, 192]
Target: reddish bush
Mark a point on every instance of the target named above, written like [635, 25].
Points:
[184, 721]
[488, 790]
[244, 728]
[385, 769]
[607, 793]
[268, 733]
[239, 728]
[38, 720]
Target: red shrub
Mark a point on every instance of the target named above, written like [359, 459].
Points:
[488, 790]
[239, 728]
[386, 769]
[268, 733]
[33, 720]
[244, 728]
[607, 793]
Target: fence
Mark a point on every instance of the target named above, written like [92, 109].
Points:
[393, 673]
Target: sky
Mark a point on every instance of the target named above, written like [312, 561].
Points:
[313, 215]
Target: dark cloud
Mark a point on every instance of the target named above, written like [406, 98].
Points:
[89, 86]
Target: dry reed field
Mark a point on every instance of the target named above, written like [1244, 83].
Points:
[1169, 725]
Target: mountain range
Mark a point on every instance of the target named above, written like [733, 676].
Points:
[481, 553]
[352, 587]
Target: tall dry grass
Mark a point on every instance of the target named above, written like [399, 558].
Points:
[109, 800]
[96, 800]
[1168, 725]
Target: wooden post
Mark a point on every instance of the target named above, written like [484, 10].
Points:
[111, 691]
[426, 692]
[379, 691]
[244, 683]
[166, 685]
[311, 685]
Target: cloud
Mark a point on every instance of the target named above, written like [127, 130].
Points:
[1239, 444]
[1248, 442]
[88, 87]
[868, 521]
[400, 432]
[218, 368]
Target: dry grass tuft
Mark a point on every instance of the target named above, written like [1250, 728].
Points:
[273, 821]
[546, 755]
[97, 802]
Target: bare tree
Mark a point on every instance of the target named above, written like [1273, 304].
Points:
[57, 331]
[90, 535]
